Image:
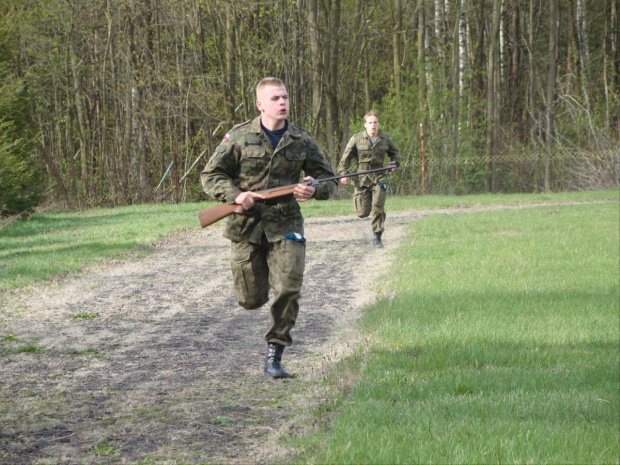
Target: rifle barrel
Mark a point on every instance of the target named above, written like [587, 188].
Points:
[391, 166]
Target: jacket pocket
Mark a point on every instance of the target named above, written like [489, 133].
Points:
[296, 156]
[253, 151]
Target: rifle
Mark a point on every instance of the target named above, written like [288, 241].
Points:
[211, 215]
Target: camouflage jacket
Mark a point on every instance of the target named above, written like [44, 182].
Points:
[246, 161]
[368, 156]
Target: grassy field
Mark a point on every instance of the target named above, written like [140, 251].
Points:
[52, 244]
[500, 344]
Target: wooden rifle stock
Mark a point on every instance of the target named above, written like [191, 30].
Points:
[211, 215]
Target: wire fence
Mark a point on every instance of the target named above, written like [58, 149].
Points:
[522, 172]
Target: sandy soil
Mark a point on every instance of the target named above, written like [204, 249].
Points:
[152, 359]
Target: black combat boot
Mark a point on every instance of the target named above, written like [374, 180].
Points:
[377, 240]
[273, 367]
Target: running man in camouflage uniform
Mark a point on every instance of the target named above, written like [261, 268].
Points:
[267, 241]
[368, 149]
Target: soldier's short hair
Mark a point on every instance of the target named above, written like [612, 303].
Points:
[372, 113]
[268, 81]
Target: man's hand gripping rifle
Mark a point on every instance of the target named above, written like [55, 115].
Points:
[211, 215]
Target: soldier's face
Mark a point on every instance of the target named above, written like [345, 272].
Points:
[273, 103]
[372, 125]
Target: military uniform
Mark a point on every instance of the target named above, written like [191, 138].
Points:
[267, 242]
[370, 189]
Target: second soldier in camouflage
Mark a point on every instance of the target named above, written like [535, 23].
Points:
[369, 149]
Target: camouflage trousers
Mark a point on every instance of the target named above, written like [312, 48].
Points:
[280, 266]
[371, 198]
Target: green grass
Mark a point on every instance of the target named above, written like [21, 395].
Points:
[85, 316]
[104, 448]
[93, 352]
[52, 244]
[344, 207]
[27, 349]
[500, 345]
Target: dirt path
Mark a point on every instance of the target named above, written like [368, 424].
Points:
[162, 365]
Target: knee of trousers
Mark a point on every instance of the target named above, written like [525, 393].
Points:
[362, 207]
[252, 302]
[250, 275]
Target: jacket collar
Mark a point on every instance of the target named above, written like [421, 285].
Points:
[291, 129]
[379, 136]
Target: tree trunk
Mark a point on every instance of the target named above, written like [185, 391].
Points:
[462, 45]
[332, 78]
[515, 59]
[352, 72]
[491, 97]
[615, 45]
[478, 53]
[69, 146]
[531, 96]
[315, 62]
[456, 88]
[572, 52]
[367, 99]
[396, 49]
[229, 85]
[78, 102]
[551, 89]
[46, 153]
[421, 58]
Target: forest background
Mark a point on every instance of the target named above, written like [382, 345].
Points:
[116, 102]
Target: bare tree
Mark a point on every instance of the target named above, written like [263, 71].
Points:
[397, 55]
[118, 87]
[315, 61]
[421, 61]
[230, 85]
[551, 89]
[332, 77]
[492, 103]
